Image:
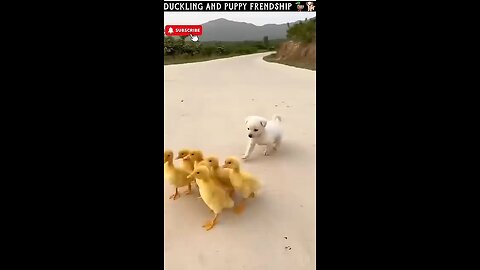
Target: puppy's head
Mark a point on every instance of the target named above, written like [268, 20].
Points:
[255, 126]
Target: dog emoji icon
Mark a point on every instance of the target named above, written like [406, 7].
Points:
[310, 6]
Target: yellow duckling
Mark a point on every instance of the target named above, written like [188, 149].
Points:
[204, 163]
[196, 156]
[221, 174]
[187, 163]
[175, 176]
[201, 163]
[242, 182]
[214, 196]
[227, 187]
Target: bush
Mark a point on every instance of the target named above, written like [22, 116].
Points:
[246, 50]
[220, 50]
[303, 31]
[174, 46]
[169, 46]
[261, 46]
[208, 50]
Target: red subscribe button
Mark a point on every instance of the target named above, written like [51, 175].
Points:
[183, 30]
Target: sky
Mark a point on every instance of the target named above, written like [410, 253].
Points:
[257, 18]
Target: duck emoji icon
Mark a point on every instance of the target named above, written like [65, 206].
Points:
[299, 6]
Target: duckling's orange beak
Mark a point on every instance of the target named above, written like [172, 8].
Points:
[190, 176]
[178, 157]
[224, 166]
[186, 158]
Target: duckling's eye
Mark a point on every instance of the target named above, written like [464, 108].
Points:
[198, 172]
[248, 128]
[255, 130]
[229, 162]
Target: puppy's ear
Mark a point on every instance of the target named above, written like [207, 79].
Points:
[246, 120]
[263, 123]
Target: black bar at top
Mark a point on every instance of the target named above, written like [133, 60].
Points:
[238, 6]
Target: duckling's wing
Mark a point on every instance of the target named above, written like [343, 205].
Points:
[223, 173]
[182, 172]
[188, 165]
[228, 201]
[225, 180]
[252, 182]
[181, 177]
[223, 199]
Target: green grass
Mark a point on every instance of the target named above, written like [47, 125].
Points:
[183, 59]
[180, 51]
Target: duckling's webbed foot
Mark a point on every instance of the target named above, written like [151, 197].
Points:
[175, 195]
[209, 225]
[189, 189]
[240, 207]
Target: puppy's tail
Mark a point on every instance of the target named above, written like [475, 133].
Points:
[277, 118]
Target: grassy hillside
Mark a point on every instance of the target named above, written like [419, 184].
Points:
[179, 50]
[300, 49]
[304, 32]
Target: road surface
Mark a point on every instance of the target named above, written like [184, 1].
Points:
[205, 107]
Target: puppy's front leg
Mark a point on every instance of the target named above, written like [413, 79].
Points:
[250, 147]
[268, 150]
[276, 144]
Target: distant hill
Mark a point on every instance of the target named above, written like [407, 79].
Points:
[226, 30]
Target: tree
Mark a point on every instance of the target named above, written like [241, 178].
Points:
[220, 50]
[265, 41]
[303, 31]
[191, 48]
[169, 46]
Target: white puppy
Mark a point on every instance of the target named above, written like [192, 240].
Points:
[263, 132]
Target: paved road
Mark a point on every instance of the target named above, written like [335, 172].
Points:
[205, 107]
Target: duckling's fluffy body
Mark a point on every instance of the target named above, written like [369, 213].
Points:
[214, 196]
[243, 182]
[175, 176]
[187, 164]
[223, 175]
